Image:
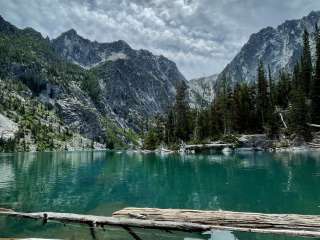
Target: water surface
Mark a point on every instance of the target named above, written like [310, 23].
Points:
[103, 182]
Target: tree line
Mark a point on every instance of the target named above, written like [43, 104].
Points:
[284, 104]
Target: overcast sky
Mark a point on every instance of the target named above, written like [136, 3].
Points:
[201, 36]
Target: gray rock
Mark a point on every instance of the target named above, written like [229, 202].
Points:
[202, 90]
[255, 141]
[279, 48]
[135, 84]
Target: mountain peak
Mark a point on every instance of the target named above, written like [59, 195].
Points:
[314, 14]
[6, 26]
[70, 32]
[280, 48]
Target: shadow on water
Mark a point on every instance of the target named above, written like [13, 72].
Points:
[103, 182]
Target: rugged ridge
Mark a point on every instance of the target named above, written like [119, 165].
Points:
[98, 90]
[279, 48]
[134, 83]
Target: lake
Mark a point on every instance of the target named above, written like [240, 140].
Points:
[102, 182]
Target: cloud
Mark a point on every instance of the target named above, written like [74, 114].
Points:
[201, 36]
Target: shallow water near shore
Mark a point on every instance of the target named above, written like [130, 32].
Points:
[102, 182]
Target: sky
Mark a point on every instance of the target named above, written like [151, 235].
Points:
[201, 36]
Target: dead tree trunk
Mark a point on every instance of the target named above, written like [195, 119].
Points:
[188, 221]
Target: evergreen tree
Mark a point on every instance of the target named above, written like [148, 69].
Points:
[262, 96]
[170, 128]
[306, 64]
[315, 90]
[215, 124]
[296, 76]
[243, 118]
[271, 86]
[182, 130]
[298, 112]
[282, 90]
[224, 101]
[151, 140]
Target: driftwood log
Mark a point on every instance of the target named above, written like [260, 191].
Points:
[285, 224]
[313, 125]
[213, 146]
[187, 221]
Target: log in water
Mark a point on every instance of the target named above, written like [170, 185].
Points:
[285, 224]
[188, 221]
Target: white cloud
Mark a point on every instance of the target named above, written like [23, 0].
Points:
[201, 36]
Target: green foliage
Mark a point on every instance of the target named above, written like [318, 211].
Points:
[306, 65]
[244, 113]
[91, 85]
[315, 90]
[181, 108]
[118, 138]
[263, 97]
[151, 140]
[298, 113]
[25, 55]
[34, 119]
[8, 145]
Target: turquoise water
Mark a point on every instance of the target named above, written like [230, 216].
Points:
[103, 182]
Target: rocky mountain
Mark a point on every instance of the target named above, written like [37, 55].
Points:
[279, 48]
[134, 83]
[202, 90]
[101, 91]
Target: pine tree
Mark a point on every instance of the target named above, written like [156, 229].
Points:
[282, 91]
[271, 86]
[215, 119]
[306, 64]
[170, 128]
[182, 130]
[296, 76]
[315, 90]
[151, 140]
[243, 117]
[298, 112]
[224, 101]
[262, 96]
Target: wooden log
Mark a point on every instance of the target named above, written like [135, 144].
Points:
[288, 224]
[190, 221]
[101, 221]
[207, 146]
[313, 125]
[282, 120]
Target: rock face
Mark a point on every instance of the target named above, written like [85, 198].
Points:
[202, 90]
[8, 128]
[279, 48]
[134, 83]
[66, 74]
[88, 54]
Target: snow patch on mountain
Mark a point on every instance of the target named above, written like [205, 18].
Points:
[117, 56]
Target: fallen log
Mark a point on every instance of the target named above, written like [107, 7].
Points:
[101, 221]
[282, 120]
[188, 221]
[286, 224]
[313, 125]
